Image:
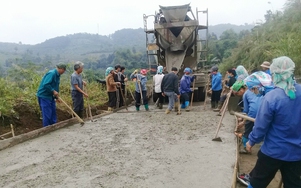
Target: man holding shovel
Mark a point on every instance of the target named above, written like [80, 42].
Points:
[140, 90]
[48, 93]
[77, 92]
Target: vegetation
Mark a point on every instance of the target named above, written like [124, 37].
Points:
[278, 36]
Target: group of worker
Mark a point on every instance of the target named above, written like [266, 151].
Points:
[273, 98]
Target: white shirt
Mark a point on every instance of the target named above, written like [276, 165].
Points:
[157, 79]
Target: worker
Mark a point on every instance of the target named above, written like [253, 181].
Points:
[185, 90]
[170, 88]
[123, 80]
[278, 124]
[231, 75]
[117, 78]
[241, 73]
[77, 92]
[111, 88]
[216, 86]
[266, 67]
[48, 93]
[157, 80]
[140, 86]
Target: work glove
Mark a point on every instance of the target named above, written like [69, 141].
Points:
[136, 71]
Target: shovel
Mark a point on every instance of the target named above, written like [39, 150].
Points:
[192, 93]
[139, 85]
[220, 121]
[79, 119]
[123, 99]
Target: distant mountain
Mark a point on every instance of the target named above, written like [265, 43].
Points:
[85, 46]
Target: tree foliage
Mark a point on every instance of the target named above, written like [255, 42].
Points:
[278, 36]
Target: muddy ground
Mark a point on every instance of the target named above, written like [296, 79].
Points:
[144, 149]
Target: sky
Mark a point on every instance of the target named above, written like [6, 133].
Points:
[34, 21]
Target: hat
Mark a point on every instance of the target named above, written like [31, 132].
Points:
[214, 69]
[143, 71]
[265, 64]
[61, 66]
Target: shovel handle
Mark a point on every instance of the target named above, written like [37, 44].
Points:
[79, 119]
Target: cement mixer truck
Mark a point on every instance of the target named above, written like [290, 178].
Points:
[174, 42]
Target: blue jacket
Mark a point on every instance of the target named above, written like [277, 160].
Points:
[278, 125]
[251, 103]
[143, 80]
[49, 83]
[268, 72]
[216, 82]
[185, 84]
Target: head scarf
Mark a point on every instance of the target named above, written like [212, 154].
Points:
[187, 69]
[241, 73]
[143, 71]
[108, 70]
[237, 85]
[160, 69]
[282, 70]
[260, 80]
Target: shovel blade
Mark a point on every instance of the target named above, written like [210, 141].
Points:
[218, 139]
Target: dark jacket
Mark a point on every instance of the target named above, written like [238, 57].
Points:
[170, 83]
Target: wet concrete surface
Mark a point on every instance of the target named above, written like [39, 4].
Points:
[127, 149]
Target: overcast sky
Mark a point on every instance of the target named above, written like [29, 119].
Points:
[34, 21]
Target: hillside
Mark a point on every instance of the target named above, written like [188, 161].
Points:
[85, 46]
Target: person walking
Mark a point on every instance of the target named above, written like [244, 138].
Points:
[141, 80]
[77, 92]
[185, 90]
[170, 88]
[216, 87]
[111, 88]
[48, 93]
[278, 124]
[157, 80]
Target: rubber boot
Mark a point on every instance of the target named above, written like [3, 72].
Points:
[160, 106]
[177, 104]
[137, 108]
[219, 106]
[146, 107]
[183, 105]
[212, 104]
[187, 109]
[216, 104]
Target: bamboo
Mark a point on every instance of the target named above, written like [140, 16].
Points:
[12, 130]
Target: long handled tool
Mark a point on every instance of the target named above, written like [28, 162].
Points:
[220, 121]
[130, 92]
[179, 110]
[206, 88]
[79, 119]
[192, 93]
[126, 107]
[139, 85]
[89, 107]
[224, 105]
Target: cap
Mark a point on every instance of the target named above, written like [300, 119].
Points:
[61, 66]
[265, 64]
[213, 69]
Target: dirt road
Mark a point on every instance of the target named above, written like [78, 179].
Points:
[144, 149]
